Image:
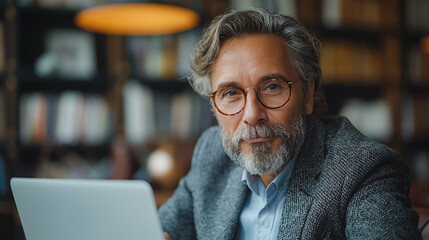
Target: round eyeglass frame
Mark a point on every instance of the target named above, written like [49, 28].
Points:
[213, 95]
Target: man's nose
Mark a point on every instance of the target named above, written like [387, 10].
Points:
[254, 111]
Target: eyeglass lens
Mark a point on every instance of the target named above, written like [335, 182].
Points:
[271, 93]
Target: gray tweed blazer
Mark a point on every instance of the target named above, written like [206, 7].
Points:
[344, 186]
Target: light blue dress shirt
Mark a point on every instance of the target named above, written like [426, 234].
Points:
[262, 212]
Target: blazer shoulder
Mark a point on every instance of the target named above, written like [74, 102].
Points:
[209, 150]
[343, 139]
[209, 142]
[340, 132]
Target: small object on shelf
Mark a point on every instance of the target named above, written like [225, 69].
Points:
[372, 118]
[169, 162]
[69, 54]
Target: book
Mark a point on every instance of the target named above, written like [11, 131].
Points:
[2, 48]
[138, 112]
[309, 12]
[72, 4]
[420, 106]
[153, 57]
[407, 118]
[358, 13]
[96, 120]
[169, 57]
[162, 112]
[331, 13]
[65, 118]
[287, 7]
[3, 115]
[68, 119]
[186, 43]
[181, 115]
[242, 4]
[416, 15]
[339, 59]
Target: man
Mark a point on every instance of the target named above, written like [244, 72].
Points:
[273, 169]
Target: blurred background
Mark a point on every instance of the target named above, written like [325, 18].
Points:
[78, 104]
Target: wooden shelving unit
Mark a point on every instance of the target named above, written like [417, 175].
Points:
[384, 71]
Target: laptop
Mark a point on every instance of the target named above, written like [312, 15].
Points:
[65, 209]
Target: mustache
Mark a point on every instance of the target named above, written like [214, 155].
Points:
[246, 133]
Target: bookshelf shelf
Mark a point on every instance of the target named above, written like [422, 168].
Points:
[30, 82]
[359, 35]
[357, 82]
[415, 36]
[47, 12]
[3, 76]
[415, 147]
[418, 88]
[166, 85]
[76, 147]
[31, 152]
[336, 94]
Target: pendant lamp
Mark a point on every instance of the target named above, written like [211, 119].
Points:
[136, 19]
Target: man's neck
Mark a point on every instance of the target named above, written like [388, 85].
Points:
[268, 178]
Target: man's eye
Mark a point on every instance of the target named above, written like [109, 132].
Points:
[231, 93]
[272, 87]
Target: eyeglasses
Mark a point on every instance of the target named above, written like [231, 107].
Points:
[272, 93]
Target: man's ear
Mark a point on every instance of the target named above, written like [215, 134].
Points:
[309, 101]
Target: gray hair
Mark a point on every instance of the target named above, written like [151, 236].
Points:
[303, 47]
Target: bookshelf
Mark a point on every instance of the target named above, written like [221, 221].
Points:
[360, 63]
[368, 49]
[415, 128]
[8, 153]
[49, 95]
[371, 59]
[137, 84]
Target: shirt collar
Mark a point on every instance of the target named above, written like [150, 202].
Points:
[253, 181]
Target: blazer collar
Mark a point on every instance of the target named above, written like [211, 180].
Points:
[233, 196]
[302, 185]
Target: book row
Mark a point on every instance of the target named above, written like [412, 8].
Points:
[72, 117]
[418, 70]
[164, 57]
[348, 62]
[152, 114]
[66, 118]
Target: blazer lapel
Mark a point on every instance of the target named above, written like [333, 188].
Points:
[229, 206]
[302, 185]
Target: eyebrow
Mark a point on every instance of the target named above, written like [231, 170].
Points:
[261, 79]
[271, 76]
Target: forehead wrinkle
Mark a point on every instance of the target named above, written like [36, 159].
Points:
[232, 59]
[225, 73]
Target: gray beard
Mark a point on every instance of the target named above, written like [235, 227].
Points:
[261, 160]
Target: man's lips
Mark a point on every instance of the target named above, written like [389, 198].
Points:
[259, 139]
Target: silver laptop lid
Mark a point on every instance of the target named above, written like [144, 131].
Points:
[64, 209]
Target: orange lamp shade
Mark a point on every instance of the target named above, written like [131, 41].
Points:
[425, 45]
[136, 19]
